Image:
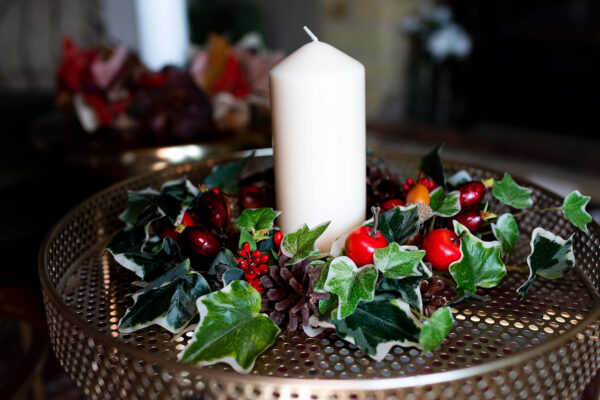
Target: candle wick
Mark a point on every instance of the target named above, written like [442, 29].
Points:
[312, 35]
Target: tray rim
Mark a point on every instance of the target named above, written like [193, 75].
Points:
[316, 383]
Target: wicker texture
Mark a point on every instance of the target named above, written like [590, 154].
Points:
[545, 347]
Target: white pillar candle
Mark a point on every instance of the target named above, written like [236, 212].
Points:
[162, 28]
[319, 140]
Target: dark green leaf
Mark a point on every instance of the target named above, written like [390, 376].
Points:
[231, 329]
[436, 328]
[377, 326]
[222, 262]
[508, 192]
[137, 202]
[398, 224]
[233, 274]
[407, 288]
[150, 265]
[573, 209]
[461, 176]
[178, 271]
[171, 305]
[431, 165]
[551, 257]
[225, 176]
[175, 197]
[466, 298]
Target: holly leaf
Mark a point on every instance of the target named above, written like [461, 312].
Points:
[231, 329]
[150, 264]
[573, 209]
[225, 176]
[508, 192]
[444, 204]
[301, 244]
[431, 165]
[377, 326]
[436, 328]
[398, 224]
[407, 288]
[350, 284]
[461, 176]
[507, 232]
[257, 219]
[551, 257]
[397, 262]
[480, 263]
[170, 305]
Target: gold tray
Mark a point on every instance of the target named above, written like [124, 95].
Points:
[546, 347]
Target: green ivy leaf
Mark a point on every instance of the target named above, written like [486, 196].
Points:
[407, 288]
[170, 305]
[574, 210]
[466, 298]
[301, 244]
[175, 198]
[436, 328]
[231, 329]
[222, 262]
[551, 257]
[480, 263]
[398, 224]
[137, 202]
[508, 192]
[461, 176]
[350, 284]
[150, 265]
[444, 205]
[377, 326]
[257, 219]
[225, 176]
[179, 271]
[134, 238]
[396, 262]
[507, 232]
[431, 165]
[233, 274]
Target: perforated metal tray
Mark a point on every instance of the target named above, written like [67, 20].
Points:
[546, 347]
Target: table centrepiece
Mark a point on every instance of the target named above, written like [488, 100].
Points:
[544, 346]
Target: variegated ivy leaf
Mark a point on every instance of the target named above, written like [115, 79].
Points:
[436, 328]
[257, 219]
[231, 329]
[508, 192]
[301, 244]
[444, 204]
[574, 210]
[466, 298]
[461, 176]
[377, 326]
[397, 262]
[233, 274]
[507, 232]
[225, 176]
[137, 202]
[133, 239]
[167, 304]
[551, 257]
[178, 271]
[480, 264]
[149, 265]
[407, 288]
[431, 165]
[222, 262]
[350, 284]
[398, 224]
[175, 198]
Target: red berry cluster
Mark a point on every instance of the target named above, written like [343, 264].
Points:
[423, 180]
[253, 264]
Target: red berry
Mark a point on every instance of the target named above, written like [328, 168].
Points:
[471, 193]
[255, 260]
[264, 258]
[428, 183]
[252, 196]
[256, 253]
[277, 238]
[241, 252]
[243, 264]
[410, 181]
[442, 248]
[215, 208]
[470, 218]
[188, 220]
[246, 246]
[203, 242]
[216, 190]
[362, 242]
[391, 203]
[406, 187]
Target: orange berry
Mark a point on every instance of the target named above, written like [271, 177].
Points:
[418, 194]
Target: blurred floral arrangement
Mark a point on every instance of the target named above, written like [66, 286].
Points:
[109, 89]
[438, 34]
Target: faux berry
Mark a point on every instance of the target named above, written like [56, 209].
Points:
[471, 193]
[188, 220]
[246, 246]
[362, 242]
[418, 194]
[277, 238]
[203, 242]
[252, 196]
[442, 247]
[428, 183]
[215, 209]
[391, 203]
[470, 218]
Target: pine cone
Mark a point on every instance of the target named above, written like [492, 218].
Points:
[431, 292]
[381, 185]
[288, 295]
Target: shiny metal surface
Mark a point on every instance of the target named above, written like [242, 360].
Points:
[545, 347]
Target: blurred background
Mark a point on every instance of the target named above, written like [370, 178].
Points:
[94, 91]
